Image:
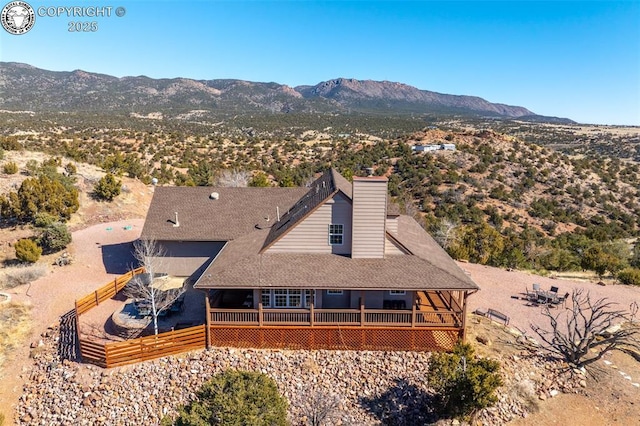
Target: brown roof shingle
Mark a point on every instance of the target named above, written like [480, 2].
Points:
[235, 213]
[240, 265]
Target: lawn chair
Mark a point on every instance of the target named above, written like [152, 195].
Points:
[532, 297]
[563, 299]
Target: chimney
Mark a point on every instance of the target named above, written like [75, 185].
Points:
[176, 223]
[369, 217]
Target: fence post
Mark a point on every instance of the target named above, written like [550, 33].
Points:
[208, 320]
[413, 310]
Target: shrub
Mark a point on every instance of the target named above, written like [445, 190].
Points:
[236, 398]
[70, 169]
[21, 275]
[37, 195]
[629, 276]
[463, 383]
[27, 250]
[42, 220]
[55, 237]
[108, 187]
[10, 168]
[259, 180]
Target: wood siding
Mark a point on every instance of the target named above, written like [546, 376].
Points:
[391, 249]
[312, 234]
[392, 224]
[369, 217]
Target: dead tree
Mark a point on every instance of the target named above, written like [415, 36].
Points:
[149, 286]
[318, 406]
[587, 325]
[233, 178]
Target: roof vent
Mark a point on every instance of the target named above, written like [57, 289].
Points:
[176, 223]
[214, 196]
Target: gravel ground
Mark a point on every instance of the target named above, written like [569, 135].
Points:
[98, 257]
[497, 287]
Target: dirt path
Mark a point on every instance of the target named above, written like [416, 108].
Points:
[100, 253]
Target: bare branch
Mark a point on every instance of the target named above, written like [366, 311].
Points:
[151, 286]
[319, 407]
[587, 325]
[233, 178]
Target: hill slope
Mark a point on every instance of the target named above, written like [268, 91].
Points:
[24, 87]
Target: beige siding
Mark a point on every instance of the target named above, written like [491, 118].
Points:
[369, 217]
[312, 234]
[391, 249]
[392, 224]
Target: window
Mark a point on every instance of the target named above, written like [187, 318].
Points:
[397, 292]
[334, 292]
[280, 298]
[287, 298]
[266, 298]
[309, 296]
[336, 233]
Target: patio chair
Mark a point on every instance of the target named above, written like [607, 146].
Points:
[563, 299]
[554, 289]
[536, 287]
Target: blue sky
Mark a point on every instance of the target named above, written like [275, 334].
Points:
[573, 59]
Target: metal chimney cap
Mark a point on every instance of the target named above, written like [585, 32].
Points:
[214, 196]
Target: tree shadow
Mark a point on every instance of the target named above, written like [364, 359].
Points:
[118, 258]
[403, 404]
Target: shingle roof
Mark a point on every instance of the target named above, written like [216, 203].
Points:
[414, 238]
[240, 265]
[236, 212]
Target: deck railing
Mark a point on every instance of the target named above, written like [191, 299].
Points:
[327, 317]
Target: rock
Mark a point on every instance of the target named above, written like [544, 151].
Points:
[484, 340]
[583, 383]
[553, 392]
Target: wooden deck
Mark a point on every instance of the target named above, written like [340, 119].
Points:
[431, 310]
[435, 323]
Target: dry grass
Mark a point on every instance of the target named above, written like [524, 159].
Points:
[20, 275]
[15, 326]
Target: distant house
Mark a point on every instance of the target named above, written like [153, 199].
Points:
[434, 147]
[425, 148]
[330, 266]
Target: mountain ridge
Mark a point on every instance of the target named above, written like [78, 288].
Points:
[23, 86]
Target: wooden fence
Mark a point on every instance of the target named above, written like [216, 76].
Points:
[105, 292]
[115, 354]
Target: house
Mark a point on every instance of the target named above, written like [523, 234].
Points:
[425, 148]
[333, 265]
